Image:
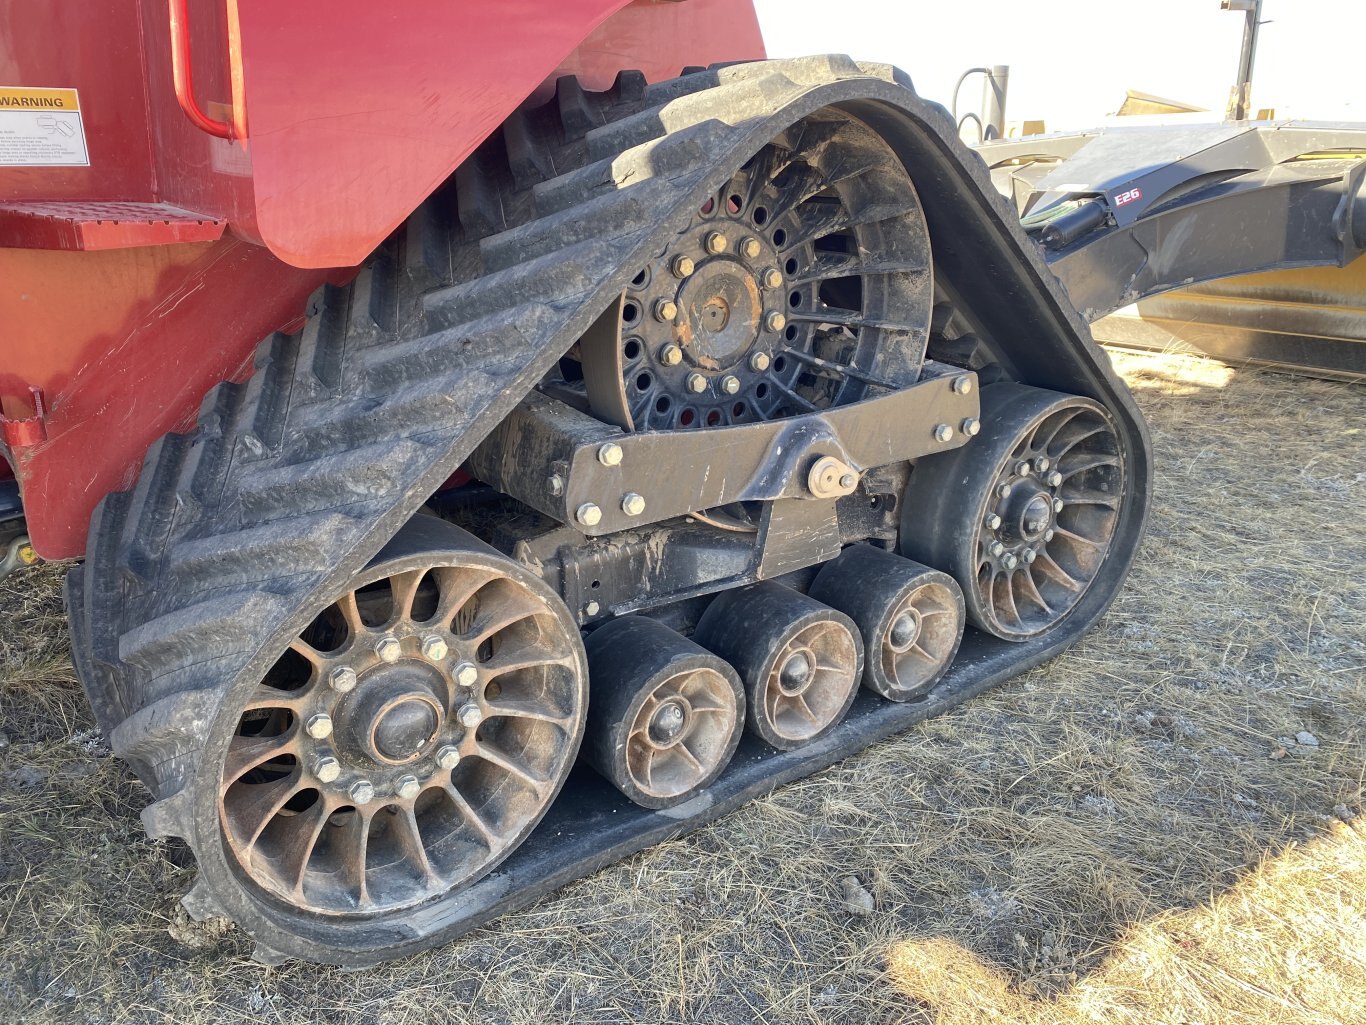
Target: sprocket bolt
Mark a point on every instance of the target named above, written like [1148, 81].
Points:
[388, 649]
[448, 757]
[610, 454]
[466, 674]
[683, 266]
[470, 716]
[716, 243]
[362, 791]
[343, 679]
[697, 384]
[327, 769]
[589, 514]
[408, 787]
[775, 322]
[759, 362]
[750, 248]
[632, 504]
[730, 384]
[666, 311]
[773, 278]
[319, 726]
[671, 355]
[435, 649]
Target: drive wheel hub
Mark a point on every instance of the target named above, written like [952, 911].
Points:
[720, 313]
[397, 717]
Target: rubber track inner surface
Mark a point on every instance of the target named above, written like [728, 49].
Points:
[238, 532]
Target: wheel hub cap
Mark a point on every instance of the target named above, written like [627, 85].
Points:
[905, 630]
[669, 723]
[720, 310]
[1032, 515]
[796, 673]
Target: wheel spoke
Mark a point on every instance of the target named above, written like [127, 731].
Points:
[405, 587]
[1080, 463]
[471, 816]
[844, 265]
[457, 587]
[1036, 595]
[525, 710]
[252, 806]
[307, 828]
[511, 766]
[1057, 574]
[1090, 498]
[246, 753]
[495, 621]
[846, 318]
[410, 842]
[350, 613]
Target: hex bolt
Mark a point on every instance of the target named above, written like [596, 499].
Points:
[993, 522]
[683, 266]
[1042, 464]
[996, 549]
[697, 384]
[1010, 562]
[470, 716]
[434, 649]
[665, 311]
[408, 787]
[848, 482]
[319, 726]
[327, 769]
[362, 791]
[1059, 505]
[775, 322]
[971, 427]
[730, 384]
[1022, 468]
[588, 514]
[1003, 491]
[388, 649]
[592, 609]
[1049, 535]
[716, 243]
[1054, 479]
[759, 362]
[773, 278]
[632, 504]
[610, 454]
[962, 385]
[556, 485]
[448, 756]
[671, 355]
[750, 248]
[1029, 555]
[466, 674]
[943, 432]
[343, 679]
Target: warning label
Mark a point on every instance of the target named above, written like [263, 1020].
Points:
[41, 128]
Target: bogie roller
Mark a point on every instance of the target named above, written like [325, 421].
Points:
[800, 660]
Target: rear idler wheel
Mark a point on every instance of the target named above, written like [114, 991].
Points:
[799, 660]
[406, 741]
[911, 617]
[1024, 514]
[666, 714]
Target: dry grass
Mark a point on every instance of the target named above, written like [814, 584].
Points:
[1119, 836]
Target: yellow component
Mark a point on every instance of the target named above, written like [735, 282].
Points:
[27, 555]
[26, 98]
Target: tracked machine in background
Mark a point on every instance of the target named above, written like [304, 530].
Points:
[679, 436]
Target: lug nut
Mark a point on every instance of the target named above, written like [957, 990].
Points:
[993, 522]
[697, 384]
[362, 791]
[1022, 468]
[671, 355]
[1049, 535]
[730, 384]
[610, 454]
[319, 726]
[408, 787]
[435, 649]
[996, 549]
[632, 504]
[1042, 464]
[971, 427]
[589, 514]
[666, 310]
[343, 679]
[448, 757]
[470, 716]
[683, 266]
[773, 278]
[775, 322]
[466, 674]
[1054, 479]
[943, 432]
[327, 769]
[1059, 505]
[750, 248]
[1029, 555]
[1003, 491]
[1010, 562]
[759, 362]
[716, 243]
[388, 649]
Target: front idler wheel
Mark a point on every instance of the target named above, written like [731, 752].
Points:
[666, 715]
[800, 660]
[1024, 515]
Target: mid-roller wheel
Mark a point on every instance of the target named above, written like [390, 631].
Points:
[800, 660]
[911, 617]
[1024, 515]
[666, 714]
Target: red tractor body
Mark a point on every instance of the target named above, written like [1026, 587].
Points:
[136, 280]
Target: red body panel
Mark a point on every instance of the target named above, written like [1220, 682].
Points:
[354, 112]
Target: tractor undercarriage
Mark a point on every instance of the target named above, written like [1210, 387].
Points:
[766, 396]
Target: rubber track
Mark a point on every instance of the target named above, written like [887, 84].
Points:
[238, 531]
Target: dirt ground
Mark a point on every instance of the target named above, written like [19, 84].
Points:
[1164, 825]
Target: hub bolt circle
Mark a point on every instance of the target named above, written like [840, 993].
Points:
[448, 757]
[775, 322]
[327, 769]
[408, 787]
[993, 522]
[683, 266]
[362, 791]
[730, 384]
[319, 726]
[750, 248]
[466, 674]
[610, 454]
[962, 385]
[971, 427]
[943, 433]
[666, 310]
[470, 716]
[632, 504]
[1055, 479]
[773, 278]
[716, 243]
[343, 679]
[435, 649]
[388, 649]
[697, 384]
[671, 355]
[759, 362]
[589, 514]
